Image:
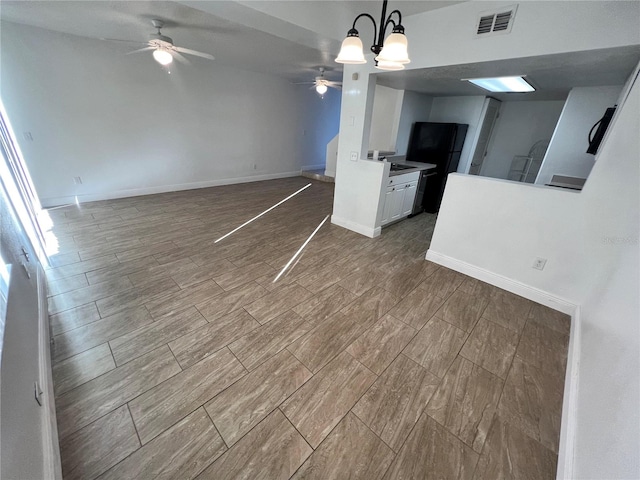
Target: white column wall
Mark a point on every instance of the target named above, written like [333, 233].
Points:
[358, 183]
[387, 105]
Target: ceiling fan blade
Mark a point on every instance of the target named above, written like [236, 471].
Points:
[140, 50]
[304, 83]
[180, 58]
[188, 51]
[134, 42]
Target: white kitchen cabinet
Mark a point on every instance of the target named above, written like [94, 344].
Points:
[408, 198]
[387, 202]
[398, 201]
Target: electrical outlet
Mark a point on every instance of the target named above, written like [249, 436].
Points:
[77, 181]
[539, 263]
[354, 156]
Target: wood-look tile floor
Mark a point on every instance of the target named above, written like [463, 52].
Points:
[178, 357]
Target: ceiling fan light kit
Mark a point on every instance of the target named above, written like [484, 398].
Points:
[321, 89]
[322, 84]
[163, 57]
[391, 54]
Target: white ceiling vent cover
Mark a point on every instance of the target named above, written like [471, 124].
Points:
[497, 21]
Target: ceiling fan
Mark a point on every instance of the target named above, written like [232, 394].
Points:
[164, 51]
[321, 84]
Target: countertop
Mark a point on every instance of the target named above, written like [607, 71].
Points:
[418, 167]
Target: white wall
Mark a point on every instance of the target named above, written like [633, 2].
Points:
[331, 157]
[590, 239]
[566, 154]
[320, 122]
[460, 110]
[358, 182]
[387, 104]
[518, 127]
[126, 127]
[416, 107]
[539, 28]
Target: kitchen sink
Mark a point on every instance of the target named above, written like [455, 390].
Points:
[398, 166]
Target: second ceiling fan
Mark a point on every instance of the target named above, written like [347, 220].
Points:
[322, 84]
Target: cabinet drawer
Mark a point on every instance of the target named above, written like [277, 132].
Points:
[404, 178]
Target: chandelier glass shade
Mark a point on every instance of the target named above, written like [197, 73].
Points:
[391, 54]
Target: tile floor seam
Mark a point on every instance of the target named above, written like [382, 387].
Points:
[247, 371]
[135, 428]
[80, 384]
[403, 444]
[299, 433]
[457, 436]
[394, 358]
[143, 392]
[368, 427]
[71, 308]
[216, 428]
[80, 326]
[173, 355]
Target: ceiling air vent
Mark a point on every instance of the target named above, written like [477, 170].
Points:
[496, 21]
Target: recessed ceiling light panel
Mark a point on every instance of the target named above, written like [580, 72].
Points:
[503, 84]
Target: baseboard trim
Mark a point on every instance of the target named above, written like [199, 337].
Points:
[568, 428]
[136, 192]
[356, 227]
[569, 422]
[513, 286]
[330, 173]
[52, 465]
[312, 167]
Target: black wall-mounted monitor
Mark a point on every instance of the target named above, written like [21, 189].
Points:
[600, 128]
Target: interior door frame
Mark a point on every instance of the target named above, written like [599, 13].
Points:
[474, 147]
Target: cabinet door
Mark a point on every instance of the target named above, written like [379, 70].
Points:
[397, 198]
[386, 209]
[408, 199]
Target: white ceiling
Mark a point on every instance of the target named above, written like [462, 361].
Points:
[293, 38]
[552, 75]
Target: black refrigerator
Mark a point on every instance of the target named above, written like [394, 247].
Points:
[440, 144]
